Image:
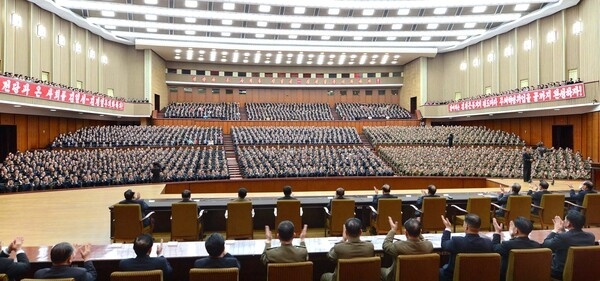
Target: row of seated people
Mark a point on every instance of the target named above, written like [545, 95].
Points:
[440, 135]
[310, 161]
[222, 111]
[66, 87]
[100, 167]
[549, 85]
[566, 234]
[288, 111]
[294, 135]
[358, 111]
[118, 136]
[497, 162]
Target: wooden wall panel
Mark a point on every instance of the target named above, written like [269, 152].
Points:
[7, 119]
[22, 135]
[43, 131]
[32, 132]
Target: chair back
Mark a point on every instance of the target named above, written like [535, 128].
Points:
[127, 220]
[184, 221]
[364, 269]
[433, 209]
[239, 220]
[214, 274]
[424, 267]
[481, 207]
[293, 271]
[388, 207]
[147, 275]
[3, 277]
[518, 206]
[591, 202]
[529, 264]
[289, 210]
[553, 205]
[476, 266]
[580, 263]
[341, 210]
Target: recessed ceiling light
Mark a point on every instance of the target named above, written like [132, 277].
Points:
[292, 36]
[358, 38]
[151, 29]
[479, 9]
[333, 11]
[299, 10]
[264, 8]
[403, 12]
[260, 35]
[440, 11]
[261, 24]
[225, 34]
[226, 22]
[325, 37]
[391, 38]
[101, 115]
[110, 27]
[151, 2]
[191, 4]
[190, 20]
[425, 38]
[228, 6]
[177, 51]
[109, 14]
[363, 26]
[368, 12]
[329, 26]
[521, 7]
[295, 25]
[53, 110]
[202, 52]
[16, 105]
[462, 37]
[469, 25]
[396, 56]
[151, 17]
[397, 26]
[190, 32]
[432, 26]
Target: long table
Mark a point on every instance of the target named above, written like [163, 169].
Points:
[183, 254]
[314, 215]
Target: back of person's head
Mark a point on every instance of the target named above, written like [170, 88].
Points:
[143, 244]
[287, 190]
[186, 194]
[515, 188]
[544, 184]
[242, 192]
[473, 221]
[431, 189]
[523, 225]
[128, 194]
[339, 192]
[215, 245]
[386, 188]
[588, 184]
[285, 231]
[353, 227]
[61, 252]
[413, 227]
[576, 219]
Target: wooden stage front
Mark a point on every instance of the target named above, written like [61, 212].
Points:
[82, 215]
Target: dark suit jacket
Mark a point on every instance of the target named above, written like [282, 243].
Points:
[579, 196]
[147, 263]
[64, 271]
[226, 261]
[559, 243]
[504, 249]
[375, 202]
[13, 269]
[419, 202]
[536, 198]
[470, 243]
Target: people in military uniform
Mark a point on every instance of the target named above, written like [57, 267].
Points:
[287, 252]
[350, 247]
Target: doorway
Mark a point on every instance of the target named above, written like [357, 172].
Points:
[157, 102]
[562, 136]
[413, 105]
[8, 140]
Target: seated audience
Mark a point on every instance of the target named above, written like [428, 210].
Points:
[288, 111]
[294, 135]
[221, 111]
[14, 269]
[217, 256]
[62, 255]
[287, 251]
[358, 111]
[142, 246]
[519, 230]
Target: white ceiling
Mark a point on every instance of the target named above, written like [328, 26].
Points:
[317, 33]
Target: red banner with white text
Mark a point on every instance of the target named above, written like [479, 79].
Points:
[566, 92]
[24, 88]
